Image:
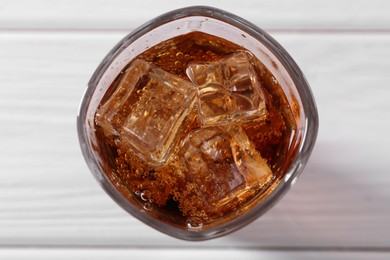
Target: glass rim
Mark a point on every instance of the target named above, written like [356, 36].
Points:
[300, 160]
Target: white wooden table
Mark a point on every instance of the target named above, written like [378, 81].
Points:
[52, 208]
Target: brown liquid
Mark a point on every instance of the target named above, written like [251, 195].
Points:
[167, 189]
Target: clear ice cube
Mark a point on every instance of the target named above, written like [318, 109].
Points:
[228, 89]
[146, 110]
[223, 164]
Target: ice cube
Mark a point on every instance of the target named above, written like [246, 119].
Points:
[146, 110]
[228, 89]
[222, 165]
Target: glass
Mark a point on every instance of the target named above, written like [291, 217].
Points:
[209, 145]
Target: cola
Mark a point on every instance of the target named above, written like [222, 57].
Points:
[194, 130]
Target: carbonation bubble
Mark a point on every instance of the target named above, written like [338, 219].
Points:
[148, 206]
[145, 195]
[194, 223]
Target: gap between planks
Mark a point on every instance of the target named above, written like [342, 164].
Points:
[210, 248]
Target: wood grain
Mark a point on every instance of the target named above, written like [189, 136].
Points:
[122, 15]
[49, 198]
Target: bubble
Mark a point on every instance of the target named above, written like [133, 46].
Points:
[274, 80]
[145, 195]
[179, 55]
[148, 206]
[194, 223]
[177, 64]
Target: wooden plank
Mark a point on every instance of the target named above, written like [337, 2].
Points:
[268, 14]
[48, 196]
[190, 254]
